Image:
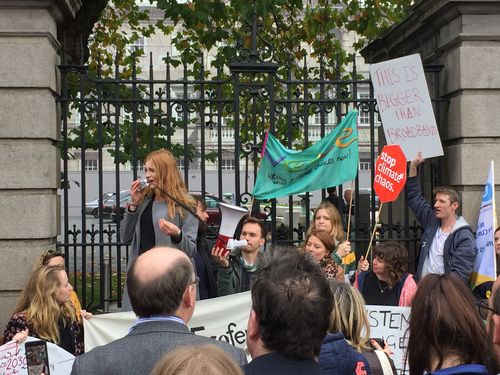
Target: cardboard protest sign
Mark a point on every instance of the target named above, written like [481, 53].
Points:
[391, 324]
[13, 359]
[405, 106]
[390, 173]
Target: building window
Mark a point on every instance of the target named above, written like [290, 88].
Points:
[227, 164]
[91, 165]
[137, 45]
[364, 116]
[365, 166]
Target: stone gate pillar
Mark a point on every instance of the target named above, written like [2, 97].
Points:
[464, 37]
[29, 132]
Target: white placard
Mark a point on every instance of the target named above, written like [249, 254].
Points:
[405, 106]
[391, 324]
[13, 359]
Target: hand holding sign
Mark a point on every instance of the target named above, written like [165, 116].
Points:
[390, 178]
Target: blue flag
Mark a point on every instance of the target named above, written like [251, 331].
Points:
[329, 162]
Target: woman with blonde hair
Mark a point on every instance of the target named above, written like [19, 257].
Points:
[160, 213]
[46, 312]
[189, 360]
[56, 258]
[157, 214]
[349, 323]
[326, 217]
[320, 245]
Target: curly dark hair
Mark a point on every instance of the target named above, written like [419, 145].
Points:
[395, 258]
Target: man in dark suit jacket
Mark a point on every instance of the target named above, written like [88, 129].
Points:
[291, 306]
[162, 289]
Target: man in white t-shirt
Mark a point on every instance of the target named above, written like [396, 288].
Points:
[447, 243]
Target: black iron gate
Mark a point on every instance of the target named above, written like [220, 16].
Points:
[214, 122]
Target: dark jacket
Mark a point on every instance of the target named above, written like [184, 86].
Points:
[337, 357]
[458, 252]
[229, 278]
[277, 364]
[204, 253]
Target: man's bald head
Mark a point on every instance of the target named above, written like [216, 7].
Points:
[157, 280]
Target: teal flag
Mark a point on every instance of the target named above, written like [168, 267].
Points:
[329, 162]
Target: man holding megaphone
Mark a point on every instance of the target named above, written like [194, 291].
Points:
[237, 268]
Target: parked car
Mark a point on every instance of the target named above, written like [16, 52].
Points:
[92, 207]
[212, 201]
[110, 204]
[214, 215]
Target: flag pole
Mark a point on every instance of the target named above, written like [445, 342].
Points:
[374, 230]
[262, 152]
[494, 211]
[350, 210]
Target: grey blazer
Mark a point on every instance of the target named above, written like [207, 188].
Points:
[130, 230]
[138, 352]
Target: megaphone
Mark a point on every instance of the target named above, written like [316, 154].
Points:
[230, 217]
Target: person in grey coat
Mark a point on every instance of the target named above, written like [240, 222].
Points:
[156, 216]
[447, 244]
[162, 288]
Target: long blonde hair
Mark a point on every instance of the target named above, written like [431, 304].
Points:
[335, 218]
[188, 360]
[38, 302]
[170, 181]
[349, 315]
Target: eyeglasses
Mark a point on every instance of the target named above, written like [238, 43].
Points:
[196, 281]
[484, 308]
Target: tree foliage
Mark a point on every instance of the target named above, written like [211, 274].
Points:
[289, 33]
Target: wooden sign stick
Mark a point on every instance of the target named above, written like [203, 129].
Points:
[374, 230]
[350, 209]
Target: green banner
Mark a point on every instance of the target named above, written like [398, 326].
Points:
[329, 162]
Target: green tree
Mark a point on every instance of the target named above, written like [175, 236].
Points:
[289, 32]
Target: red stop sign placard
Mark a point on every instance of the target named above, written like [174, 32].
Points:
[390, 173]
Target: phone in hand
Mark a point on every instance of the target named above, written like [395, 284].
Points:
[379, 341]
[37, 357]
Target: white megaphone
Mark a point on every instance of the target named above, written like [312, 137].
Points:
[230, 217]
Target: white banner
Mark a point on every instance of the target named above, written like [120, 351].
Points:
[225, 319]
[13, 359]
[405, 106]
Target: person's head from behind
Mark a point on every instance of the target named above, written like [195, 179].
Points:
[446, 202]
[50, 258]
[192, 360]
[47, 298]
[445, 325]
[291, 303]
[332, 190]
[254, 232]
[319, 244]
[326, 217]
[349, 315]
[201, 209]
[161, 281]
[390, 261]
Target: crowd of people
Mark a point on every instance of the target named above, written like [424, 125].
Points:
[308, 312]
